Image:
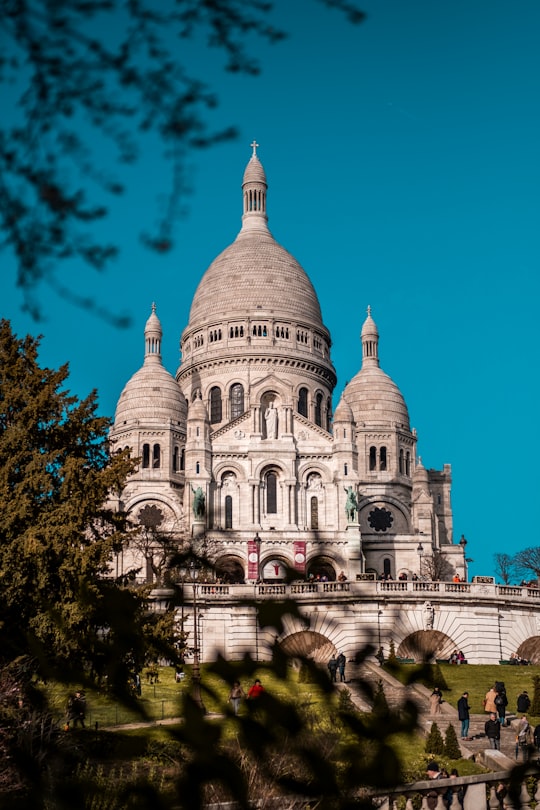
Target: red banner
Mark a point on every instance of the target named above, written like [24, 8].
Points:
[300, 556]
[253, 560]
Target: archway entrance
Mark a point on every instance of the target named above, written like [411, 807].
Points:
[308, 644]
[321, 568]
[426, 645]
[230, 571]
[530, 650]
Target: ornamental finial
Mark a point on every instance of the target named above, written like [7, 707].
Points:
[254, 146]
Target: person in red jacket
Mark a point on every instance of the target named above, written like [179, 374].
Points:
[255, 690]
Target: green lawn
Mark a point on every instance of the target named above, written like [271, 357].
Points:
[476, 679]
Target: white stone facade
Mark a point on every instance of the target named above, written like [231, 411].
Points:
[247, 423]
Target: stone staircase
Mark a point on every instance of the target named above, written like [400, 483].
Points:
[476, 747]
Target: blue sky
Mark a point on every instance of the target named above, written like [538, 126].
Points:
[402, 158]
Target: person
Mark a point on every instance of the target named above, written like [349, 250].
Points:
[433, 772]
[492, 729]
[332, 668]
[255, 690]
[464, 715]
[77, 709]
[500, 794]
[489, 701]
[501, 702]
[341, 661]
[342, 577]
[536, 737]
[270, 416]
[523, 702]
[435, 701]
[449, 795]
[523, 738]
[235, 696]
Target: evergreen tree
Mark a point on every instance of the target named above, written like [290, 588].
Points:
[380, 704]
[392, 657]
[451, 745]
[535, 705]
[60, 608]
[434, 741]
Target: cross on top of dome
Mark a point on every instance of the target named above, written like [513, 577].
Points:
[254, 146]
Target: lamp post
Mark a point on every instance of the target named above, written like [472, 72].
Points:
[257, 540]
[463, 544]
[190, 571]
[420, 552]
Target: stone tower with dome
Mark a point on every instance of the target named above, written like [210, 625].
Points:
[248, 424]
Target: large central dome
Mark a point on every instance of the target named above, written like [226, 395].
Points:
[255, 274]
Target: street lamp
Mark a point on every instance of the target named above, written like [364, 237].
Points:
[463, 544]
[190, 571]
[420, 552]
[257, 540]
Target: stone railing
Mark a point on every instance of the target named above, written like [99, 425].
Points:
[479, 793]
[366, 588]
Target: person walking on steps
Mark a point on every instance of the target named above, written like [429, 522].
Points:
[492, 729]
[341, 661]
[332, 668]
[464, 715]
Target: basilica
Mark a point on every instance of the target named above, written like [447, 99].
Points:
[242, 451]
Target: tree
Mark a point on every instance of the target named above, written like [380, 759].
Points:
[535, 705]
[63, 616]
[504, 567]
[72, 94]
[451, 745]
[528, 561]
[436, 567]
[434, 741]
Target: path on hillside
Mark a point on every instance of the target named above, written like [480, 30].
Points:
[396, 693]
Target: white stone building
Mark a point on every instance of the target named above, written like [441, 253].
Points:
[248, 420]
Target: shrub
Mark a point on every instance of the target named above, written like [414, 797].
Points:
[451, 745]
[434, 741]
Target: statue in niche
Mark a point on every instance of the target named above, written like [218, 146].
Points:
[429, 616]
[351, 504]
[271, 419]
[198, 502]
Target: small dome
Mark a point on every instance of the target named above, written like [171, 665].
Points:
[374, 398]
[343, 411]
[420, 475]
[152, 395]
[254, 172]
[197, 410]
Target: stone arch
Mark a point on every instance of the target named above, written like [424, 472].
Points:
[322, 566]
[308, 644]
[274, 568]
[530, 650]
[426, 645]
[230, 569]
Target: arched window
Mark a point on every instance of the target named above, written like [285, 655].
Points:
[382, 458]
[271, 493]
[401, 464]
[318, 410]
[303, 402]
[228, 512]
[386, 567]
[215, 405]
[198, 467]
[314, 512]
[408, 464]
[182, 459]
[156, 457]
[237, 400]
[372, 458]
[146, 456]
[328, 415]
[175, 459]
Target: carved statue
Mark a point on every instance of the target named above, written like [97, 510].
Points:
[351, 505]
[429, 616]
[270, 417]
[198, 502]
